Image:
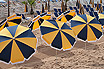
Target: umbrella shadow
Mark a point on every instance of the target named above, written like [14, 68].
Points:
[32, 62]
[47, 50]
[86, 45]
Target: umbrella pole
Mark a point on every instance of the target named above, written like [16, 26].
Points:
[16, 66]
[56, 56]
[85, 45]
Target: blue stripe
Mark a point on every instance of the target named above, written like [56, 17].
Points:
[76, 23]
[26, 50]
[12, 29]
[101, 21]
[17, 21]
[94, 21]
[83, 17]
[97, 33]
[83, 34]
[57, 42]
[4, 38]
[53, 22]
[70, 38]
[65, 26]
[68, 17]
[26, 34]
[5, 55]
[45, 30]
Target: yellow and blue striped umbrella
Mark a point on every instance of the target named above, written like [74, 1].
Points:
[36, 22]
[11, 21]
[66, 16]
[57, 34]
[86, 27]
[17, 43]
[101, 18]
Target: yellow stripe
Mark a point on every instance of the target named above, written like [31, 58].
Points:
[97, 26]
[15, 18]
[48, 24]
[2, 27]
[11, 16]
[65, 42]
[101, 16]
[16, 54]
[46, 17]
[90, 34]
[36, 25]
[89, 18]
[60, 24]
[20, 30]
[49, 37]
[72, 14]
[78, 18]
[60, 16]
[70, 32]
[11, 24]
[78, 28]
[28, 41]
[37, 18]
[4, 44]
[63, 19]
[6, 33]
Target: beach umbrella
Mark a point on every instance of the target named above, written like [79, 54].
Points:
[26, 9]
[17, 44]
[11, 21]
[86, 28]
[97, 7]
[90, 2]
[37, 21]
[57, 34]
[42, 8]
[66, 16]
[93, 4]
[46, 7]
[100, 1]
[101, 18]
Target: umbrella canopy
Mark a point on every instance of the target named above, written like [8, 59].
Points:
[86, 28]
[17, 43]
[36, 22]
[66, 16]
[11, 21]
[57, 34]
[101, 18]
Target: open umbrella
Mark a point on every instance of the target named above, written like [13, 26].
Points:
[66, 16]
[36, 22]
[57, 34]
[11, 21]
[17, 44]
[86, 28]
[101, 18]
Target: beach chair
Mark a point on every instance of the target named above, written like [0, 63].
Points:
[103, 8]
[75, 8]
[88, 6]
[59, 10]
[95, 13]
[84, 6]
[60, 13]
[91, 14]
[95, 5]
[70, 8]
[56, 14]
[25, 19]
[87, 9]
[92, 10]
[38, 12]
[55, 10]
